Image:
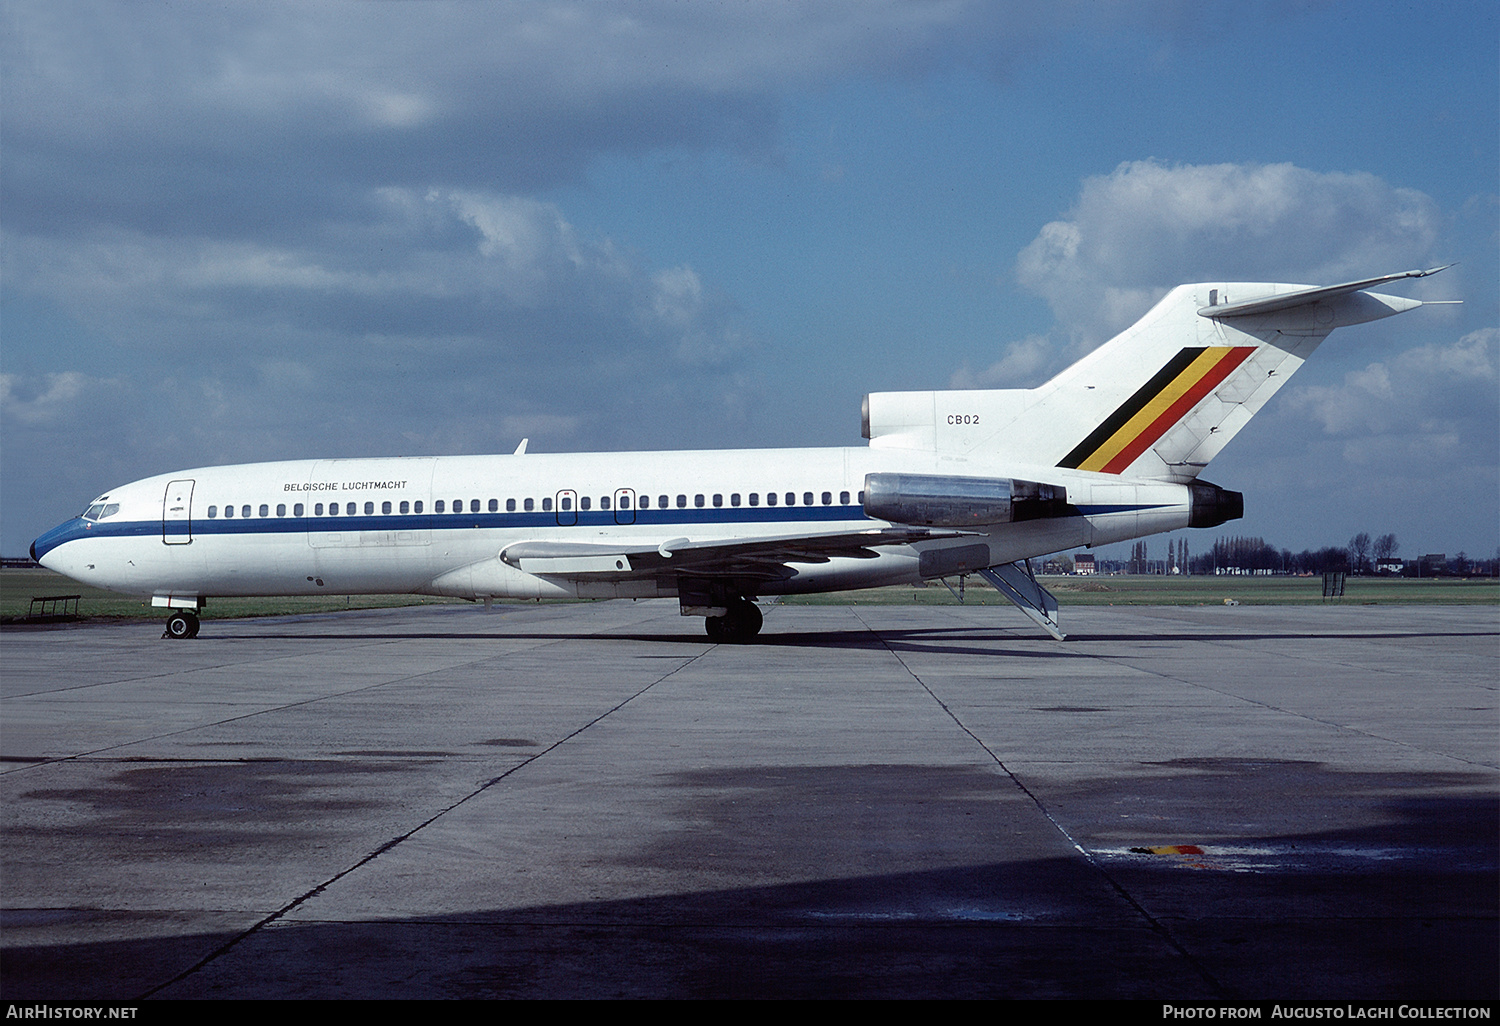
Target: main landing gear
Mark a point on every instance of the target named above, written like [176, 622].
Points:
[181, 624]
[740, 623]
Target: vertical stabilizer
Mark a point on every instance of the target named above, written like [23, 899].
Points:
[1160, 399]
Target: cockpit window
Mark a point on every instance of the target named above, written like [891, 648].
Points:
[100, 510]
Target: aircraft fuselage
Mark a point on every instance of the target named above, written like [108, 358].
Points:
[438, 525]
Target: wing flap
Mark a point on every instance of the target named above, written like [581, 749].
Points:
[763, 556]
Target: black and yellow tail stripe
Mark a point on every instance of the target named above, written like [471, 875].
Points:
[1148, 414]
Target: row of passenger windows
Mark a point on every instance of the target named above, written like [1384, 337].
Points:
[565, 504]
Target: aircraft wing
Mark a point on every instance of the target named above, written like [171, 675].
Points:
[764, 557]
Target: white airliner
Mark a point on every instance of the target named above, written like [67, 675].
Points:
[952, 483]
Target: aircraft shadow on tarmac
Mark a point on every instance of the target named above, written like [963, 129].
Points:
[1011, 641]
[1396, 900]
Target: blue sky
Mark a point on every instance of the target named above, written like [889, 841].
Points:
[243, 232]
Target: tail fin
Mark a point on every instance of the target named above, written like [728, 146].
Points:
[1160, 399]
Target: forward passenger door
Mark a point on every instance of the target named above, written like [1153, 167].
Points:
[177, 513]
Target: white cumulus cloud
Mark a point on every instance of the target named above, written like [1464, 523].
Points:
[1147, 226]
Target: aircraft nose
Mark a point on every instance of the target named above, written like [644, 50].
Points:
[42, 547]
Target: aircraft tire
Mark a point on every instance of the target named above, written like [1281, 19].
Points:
[739, 625]
[181, 626]
[748, 617]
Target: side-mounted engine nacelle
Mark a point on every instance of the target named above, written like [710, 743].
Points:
[925, 500]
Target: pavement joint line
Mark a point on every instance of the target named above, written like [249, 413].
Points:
[357, 641]
[79, 756]
[280, 913]
[1156, 925]
[1126, 660]
[1131, 661]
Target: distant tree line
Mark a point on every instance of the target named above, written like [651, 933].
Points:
[1238, 554]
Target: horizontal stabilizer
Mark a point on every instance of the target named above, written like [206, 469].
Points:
[1303, 297]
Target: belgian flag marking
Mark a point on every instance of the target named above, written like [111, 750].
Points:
[1162, 402]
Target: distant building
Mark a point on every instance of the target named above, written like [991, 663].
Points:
[1083, 563]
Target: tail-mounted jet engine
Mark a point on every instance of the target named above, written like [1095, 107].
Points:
[940, 501]
[1210, 505]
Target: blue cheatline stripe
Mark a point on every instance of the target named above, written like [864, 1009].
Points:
[673, 519]
[1124, 507]
[534, 520]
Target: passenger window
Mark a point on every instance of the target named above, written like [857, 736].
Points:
[297, 509]
[404, 506]
[567, 503]
[385, 507]
[645, 502]
[265, 510]
[843, 498]
[437, 507]
[698, 501]
[458, 505]
[861, 497]
[682, 502]
[585, 502]
[417, 508]
[828, 498]
[494, 505]
[770, 498]
[791, 498]
[318, 510]
[229, 511]
[718, 499]
[530, 504]
[661, 502]
[755, 498]
[510, 505]
[244, 511]
[546, 505]
[473, 505]
[734, 498]
[281, 509]
[213, 511]
[604, 502]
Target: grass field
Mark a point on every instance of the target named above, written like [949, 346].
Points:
[18, 587]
